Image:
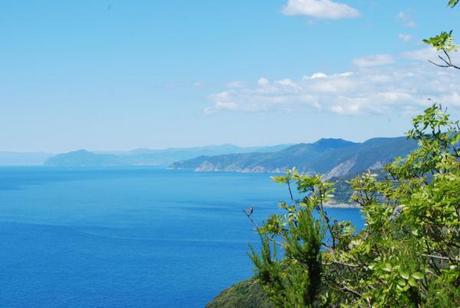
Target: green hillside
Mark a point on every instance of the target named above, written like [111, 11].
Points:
[334, 158]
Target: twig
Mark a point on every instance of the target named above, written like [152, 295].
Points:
[347, 289]
[448, 61]
[251, 220]
[290, 190]
[343, 263]
[441, 257]
[351, 291]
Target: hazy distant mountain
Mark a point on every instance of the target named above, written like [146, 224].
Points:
[23, 159]
[330, 157]
[147, 157]
[83, 158]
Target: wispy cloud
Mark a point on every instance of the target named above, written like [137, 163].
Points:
[406, 86]
[423, 54]
[324, 9]
[374, 60]
[405, 37]
[406, 19]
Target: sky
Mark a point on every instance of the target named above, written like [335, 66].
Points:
[119, 75]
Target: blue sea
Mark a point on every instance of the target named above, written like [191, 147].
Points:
[128, 237]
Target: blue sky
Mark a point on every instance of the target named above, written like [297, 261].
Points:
[117, 75]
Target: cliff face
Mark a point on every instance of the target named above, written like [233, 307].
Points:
[247, 294]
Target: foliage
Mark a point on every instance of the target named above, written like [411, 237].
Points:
[453, 3]
[408, 253]
[444, 43]
[246, 294]
[295, 279]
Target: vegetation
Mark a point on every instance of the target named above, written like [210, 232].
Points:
[408, 254]
[444, 43]
[247, 294]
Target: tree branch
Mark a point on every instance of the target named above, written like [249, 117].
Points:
[342, 263]
[441, 258]
[447, 60]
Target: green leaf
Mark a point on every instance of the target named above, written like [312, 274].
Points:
[404, 275]
[280, 179]
[453, 3]
[417, 276]
[442, 41]
[412, 282]
[456, 139]
[387, 267]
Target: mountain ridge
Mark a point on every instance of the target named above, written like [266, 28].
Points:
[333, 158]
[147, 157]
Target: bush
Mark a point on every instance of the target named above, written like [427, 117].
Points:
[408, 253]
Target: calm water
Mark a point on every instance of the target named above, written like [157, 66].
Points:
[127, 238]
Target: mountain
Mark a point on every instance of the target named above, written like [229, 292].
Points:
[334, 158]
[147, 157]
[83, 158]
[23, 159]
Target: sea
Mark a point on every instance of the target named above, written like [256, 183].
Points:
[133, 237]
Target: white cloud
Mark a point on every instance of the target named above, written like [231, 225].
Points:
[263, 82]
[235, 84]
[318, 75]
[289, 84]
[326, 9]
[375, 60]
[405, 37]
[430, 54]
[423, 54]
[406, 19]
[222, 101]
[451, 99]
[405, 87]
